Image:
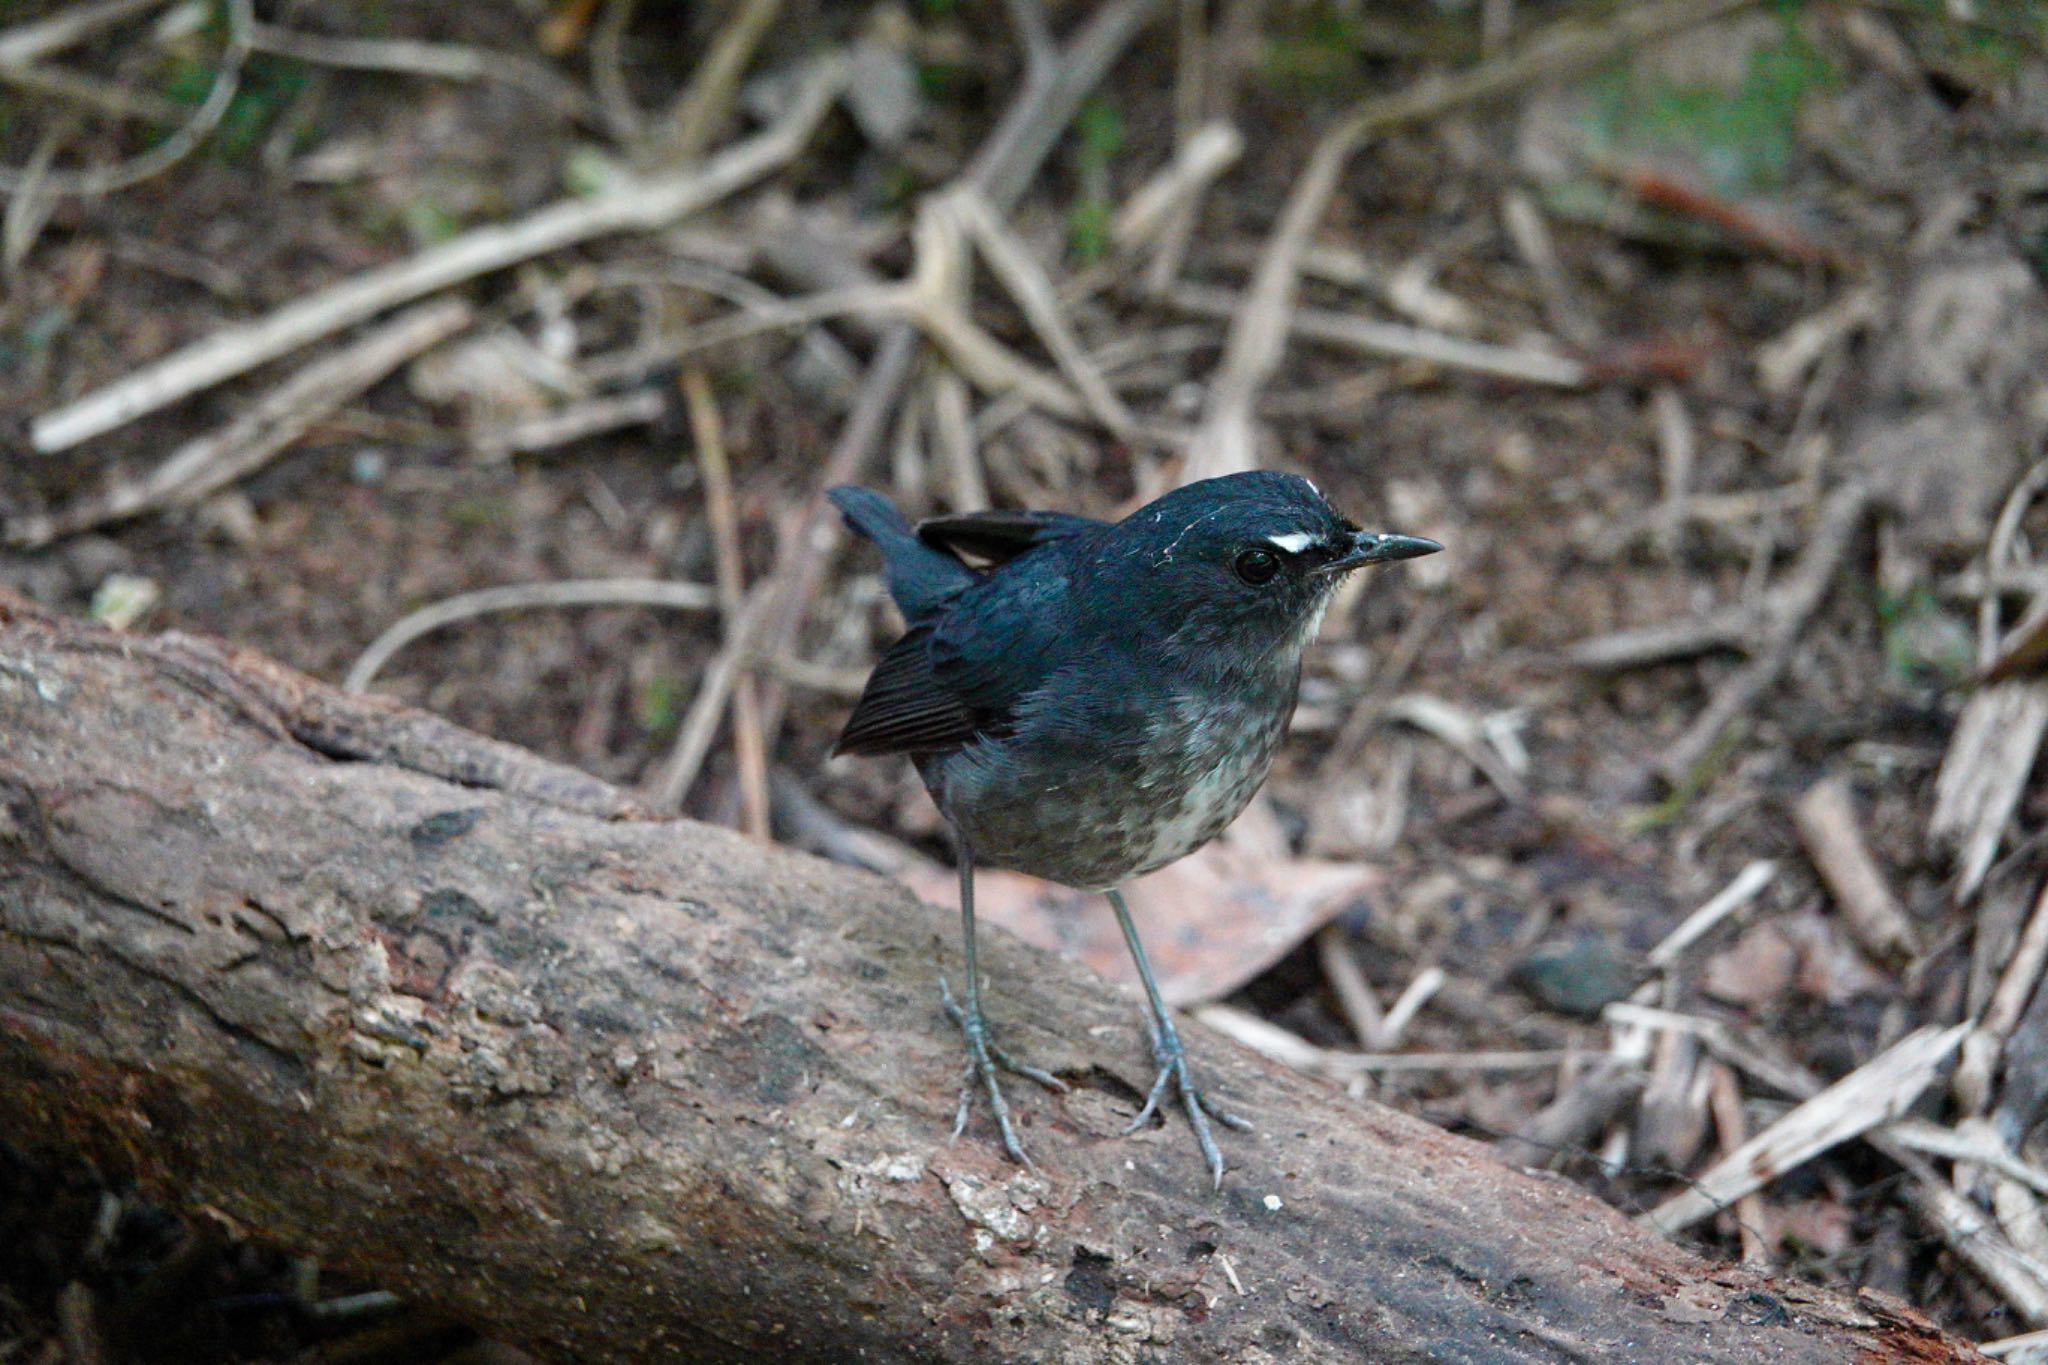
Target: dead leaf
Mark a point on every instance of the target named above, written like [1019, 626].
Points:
[1831, 968]
[1754, 971]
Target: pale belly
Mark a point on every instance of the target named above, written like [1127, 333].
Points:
[1094, 818]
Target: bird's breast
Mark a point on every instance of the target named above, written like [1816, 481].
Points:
[1100, 798]
[1210, 756]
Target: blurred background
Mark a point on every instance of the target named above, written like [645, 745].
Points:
[493, 357]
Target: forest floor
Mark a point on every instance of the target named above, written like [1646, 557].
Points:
[1718, 362]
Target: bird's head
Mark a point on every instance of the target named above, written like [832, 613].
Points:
[1243, 565]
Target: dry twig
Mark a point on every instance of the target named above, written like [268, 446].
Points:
[209, 463]
[716, 474]
[1746, 887]
[1873, 1094]
[695, 116]
[418, 57]
[41, 38]
[638, 205]
[1258, 336]
[1792, 605]
[595, 592]
[1397, 340]
[1985, 1047]
[171, 150]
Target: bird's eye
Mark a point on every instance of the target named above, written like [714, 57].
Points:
[1257, 566]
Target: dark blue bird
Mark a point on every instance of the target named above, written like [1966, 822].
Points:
[1095, 701]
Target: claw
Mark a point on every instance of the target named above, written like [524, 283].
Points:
[984, 1057]
[1171, 1056]
[1173, 1068]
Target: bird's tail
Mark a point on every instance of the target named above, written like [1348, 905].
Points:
[920, 578]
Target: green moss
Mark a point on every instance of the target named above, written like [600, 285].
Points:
[267, 88]
[1743, 137]
[1099, 129]
[658, 708]
[1925, 644]
[1316, 52]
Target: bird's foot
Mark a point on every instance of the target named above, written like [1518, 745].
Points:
[1172, 1058]
[984, 1057]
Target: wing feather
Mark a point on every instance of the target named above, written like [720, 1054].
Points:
[905, 709]
[999, 536]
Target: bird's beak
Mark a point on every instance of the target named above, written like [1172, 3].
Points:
[1371, 547]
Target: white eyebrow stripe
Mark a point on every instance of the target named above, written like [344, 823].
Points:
[1293, 543]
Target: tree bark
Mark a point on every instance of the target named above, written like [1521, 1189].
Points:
[460, 1020]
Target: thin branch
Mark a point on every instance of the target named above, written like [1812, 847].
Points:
[1396, 340]
[1018, 147]
[693, 119]
[1793, 605]
[715, 472]
[635, 206]
[1875, 1093]
[180, 144]
[418, 57]
[1258, 338]
[1033, 292]
[574, 592]
[672, 779]
[33, 41]
[268, 427]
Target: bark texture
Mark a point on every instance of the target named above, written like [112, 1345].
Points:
[624, 1089]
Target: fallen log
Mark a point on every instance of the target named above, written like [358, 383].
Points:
[457, 1019]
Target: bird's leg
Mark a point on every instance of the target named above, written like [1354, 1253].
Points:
[1171, 1056]
[983, 1054]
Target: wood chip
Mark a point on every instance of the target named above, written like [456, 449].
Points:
[1983, 774]
[1877, 1092]
[1827, 823]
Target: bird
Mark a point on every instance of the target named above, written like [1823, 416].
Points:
[1088, 701]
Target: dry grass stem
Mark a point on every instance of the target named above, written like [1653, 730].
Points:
[1197, 162]
[1985, 1047]
[40, 38]
[1258, 335]
[673, 777]
[1033, 292]
[1984, 774]
[181, 143]
[1562, 303]
[707, 430]
[1724, 1098]
[418, 57]
[1269, 1038]
[1792, 604]
[1397, 341]
[1354, 993]
[572, 423]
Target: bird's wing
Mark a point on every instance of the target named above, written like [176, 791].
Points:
[997, 537]
[962, 676]
[904, 709]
